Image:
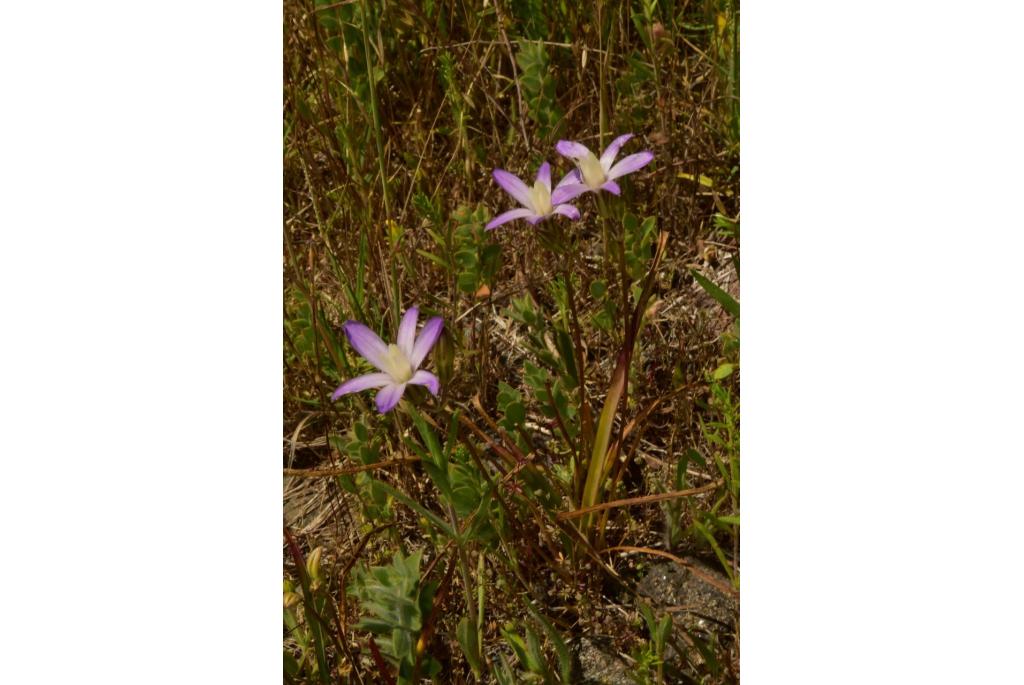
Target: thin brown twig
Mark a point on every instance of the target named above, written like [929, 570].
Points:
[515, 74]
[710, 580]
[645, 499]
[347, 470]
[466, 43]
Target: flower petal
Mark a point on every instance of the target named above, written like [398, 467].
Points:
[568, 192]
[535, 219]
[570, 148]
[389, 396]
[612, 151]
[366, 343]
[628, 165]
[570, 178]
[511, 214]
[407, 330]
[514, 186]
[612, 187]
[567, 210]
[428, 337]
[427, 379]
[365, 382]
[544, 175]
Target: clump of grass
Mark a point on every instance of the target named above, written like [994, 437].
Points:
[442, 540]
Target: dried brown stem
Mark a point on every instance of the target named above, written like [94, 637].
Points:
[710, 580]
[347, 470]
[645, 499]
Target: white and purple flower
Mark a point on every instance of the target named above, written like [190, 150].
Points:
[536, 202]
[399, 363]
[593, 174]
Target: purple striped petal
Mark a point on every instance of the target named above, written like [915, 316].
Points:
[428, 337]
[427, 379]
[407, 330]
[511, 214]
[366, 343]
[570, 148]
[389, 396]
[628, 165]
[514, 186]
[370, 380]
[568, 210]
[570, 178]
[544, 175]
[535, 219]
[612, 151]
[612, 187]
[568, 192]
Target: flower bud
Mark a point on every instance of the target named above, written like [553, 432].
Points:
[313, 563]
[444, 357]
[395, 232]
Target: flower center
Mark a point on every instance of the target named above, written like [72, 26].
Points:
[397, 365]
[540, 197]
[593, 172]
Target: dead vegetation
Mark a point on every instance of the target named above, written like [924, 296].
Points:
[395, 114]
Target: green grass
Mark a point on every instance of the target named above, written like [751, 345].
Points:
[438, 540]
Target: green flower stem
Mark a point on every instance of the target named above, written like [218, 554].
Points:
[586, 419]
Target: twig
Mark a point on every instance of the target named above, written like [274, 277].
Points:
[646, 499]
[347, 470]
[710, 580]
[515, 74]
[466, 43]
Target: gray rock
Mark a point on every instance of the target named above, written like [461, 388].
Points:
[694, 603]
[599, 666]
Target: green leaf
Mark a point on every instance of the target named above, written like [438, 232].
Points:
[697, 457]
[699, 178]
[565, 350]
[516, 643]
[515, 413]
[723, 298]
[434, 258]
[467, 636]
[561, 649]
[291, 666]
[503, 672]
[717, 550]
[428, 437]
[401, 642]
[723, 371]
[417, 507]
[535, 659]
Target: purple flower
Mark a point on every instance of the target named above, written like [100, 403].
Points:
[536, 201]
[398, 362]
[595, 174]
